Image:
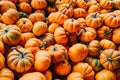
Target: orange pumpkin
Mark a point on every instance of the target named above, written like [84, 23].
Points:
[24, 24]
[109, 58]
[48, 74]
[2, 47]
[10, 16]
[78, 52]
[20, 1]
[20, 60]
[42, 61]
[85, 69]
[51, 8]
[40, 11]
[2, 61]
[82, 21]
[115, 36]
[94, 8]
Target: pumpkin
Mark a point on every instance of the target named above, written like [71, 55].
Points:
[107, 4]
[35, 17]
[51, 8]
[47, 38]
[79, 13]
[105, 75]
[85, 69]
[2, 47]
[107, 44]
[6, 73]
[85, 4]
[5, 5]
[20, 1]
[2, 61]
[117, 4]
[94, 48]
[67, 8]
[33, 76]
[60, 36]
[112, 20]
[25, 7]
[10, 35]
[109, 58]
[62, 68]
[48, 74]
[39, 28]
[40, 11]
[57, 17]
[10, 16]
[95, 63]
[42, 61]
[25, 37]
[87, 34]
[24, 24]
[75, 76]
[94, 8]
[82, 21]
[20, 60]
[115, 36]
[94, 20]
[71, 25]
[38, 4]
[52, 27]
[104, 32]
[78, 52]
[58, 53]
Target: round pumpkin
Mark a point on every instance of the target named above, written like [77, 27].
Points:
[2, 61]
[115, 36]
[24, 24]
[20, 60]
[94, 8]
[78, 52]
[10, 35]
[109, 58]
[51, 8]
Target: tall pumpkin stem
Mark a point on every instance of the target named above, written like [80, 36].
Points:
[108, 32]
[95, 15]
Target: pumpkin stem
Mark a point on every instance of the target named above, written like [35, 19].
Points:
[44, 44]
[95, 15]
[72, 19]
[54, 48]
[14, 48]
[67, 7]
[109, 59]
[6, 30]
[108, 32]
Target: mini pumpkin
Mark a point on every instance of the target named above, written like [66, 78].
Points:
[2, 61]
[2, 47]
[115, 36]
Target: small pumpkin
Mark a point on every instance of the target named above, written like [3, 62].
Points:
[40, 11]
[24, 24]
[78, 52]
[51, 8]
[2, 61]
[115, 36]
[20, 60]
[94, 8]
[109, 58]
[82, 21]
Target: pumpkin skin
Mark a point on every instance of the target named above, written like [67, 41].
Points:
[104, 32]
[51, 8]
[115, 36]
[10, 16]
[71, 25]
[37, 76]
[59, 35]
[6, 73]
[87, 34]
[20, 1]
[35, 17]
[95, 63]
[25, 37]
[79, 13]
[94, 20]
[62, 68]
[24, 24]
[39, 28]
[94, 48]
[78, 52]
[2, 61]
[48, 74]
[42, 61]
[105, 75]
[85, 69]
[75, 76]
[20, 60]
[58, 53]
[112, 20]
[38, 4]
[109, 58]
[5, 5]
[107, 44]
[2, 47]
[10, 35]
[82, 21]
[25, 7]
[94, 8]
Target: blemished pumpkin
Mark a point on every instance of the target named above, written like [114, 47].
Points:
[109, 59]
[33, 76]
[2, 61]
[78, 52]
[94, 8]
[85, 69]
[51, 8]
[10, 16]
[10, 35]
[24, 24]
[105, 75]
[20, 60]
[42, 61]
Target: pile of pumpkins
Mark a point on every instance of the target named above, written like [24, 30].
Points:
[59, 39]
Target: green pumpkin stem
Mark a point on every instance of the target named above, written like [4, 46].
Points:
[95, 15]
[109, 59]
[54, 48]
[108, 32]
